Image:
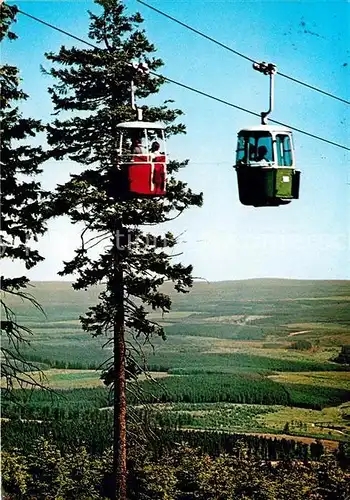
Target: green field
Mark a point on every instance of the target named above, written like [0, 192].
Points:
[229, 345]
[340, 380]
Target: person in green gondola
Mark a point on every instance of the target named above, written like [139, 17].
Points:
[261, 156]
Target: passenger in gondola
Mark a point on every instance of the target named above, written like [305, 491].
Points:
[261, 156]
[155, 147]
[159, 177]
[136, 146]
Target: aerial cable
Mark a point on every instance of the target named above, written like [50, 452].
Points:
[187, 87]
[58, 29]
[226, 47]
[249, 111]
[197, 32]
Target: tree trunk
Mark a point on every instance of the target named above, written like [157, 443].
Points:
[119, 427]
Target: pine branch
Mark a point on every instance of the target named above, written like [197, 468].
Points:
[23, 212]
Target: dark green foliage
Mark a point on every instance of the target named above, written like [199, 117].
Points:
[250, 389]
[197, 476]
[191, 362]
[47, 473]
[301, 345]
[344, 355]
[343, 454]
[22, 215]
[85, 427]
[7, 17]
[286, 428]
[78, 357]
[22, 209]
[44, 405]
[316, 450]
[244, 388]
[309, 396]
[94, 430]
[237, 469]
[216, 443]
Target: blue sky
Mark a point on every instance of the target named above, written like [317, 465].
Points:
[308, 40]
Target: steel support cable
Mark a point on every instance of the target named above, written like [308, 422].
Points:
[58, 29]
[200, 92]
[251, 112]
[226, 47]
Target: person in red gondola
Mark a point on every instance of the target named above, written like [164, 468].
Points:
[155, 150]
[158, 177]
[136, 147]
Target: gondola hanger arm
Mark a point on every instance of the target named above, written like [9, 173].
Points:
[141, 68]
[267, 69]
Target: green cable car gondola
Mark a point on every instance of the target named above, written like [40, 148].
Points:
[265, 166]
[265, 160]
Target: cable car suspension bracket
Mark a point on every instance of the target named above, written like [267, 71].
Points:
[267, 69]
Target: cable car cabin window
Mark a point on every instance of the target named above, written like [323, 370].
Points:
[284, 150]
[241, 150]
[251, 148]
[137, 147]
[263, 148]
[142, 145]
[254, 149]
[156, 145]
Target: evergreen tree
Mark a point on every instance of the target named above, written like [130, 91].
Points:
[94, 84]
[22, 214]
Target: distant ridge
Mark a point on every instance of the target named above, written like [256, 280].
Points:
[203, 281]
[261, 289]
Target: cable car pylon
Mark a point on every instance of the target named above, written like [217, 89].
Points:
[265, 161]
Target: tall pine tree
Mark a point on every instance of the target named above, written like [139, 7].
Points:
[94, 84]
[22, 214]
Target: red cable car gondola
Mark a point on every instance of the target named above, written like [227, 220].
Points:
[142, 157]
